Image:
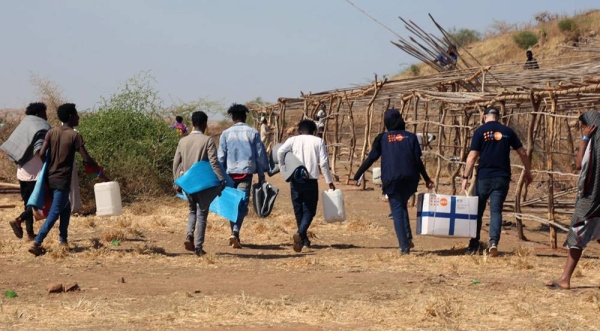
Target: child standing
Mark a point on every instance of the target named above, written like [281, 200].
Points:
[193, 148]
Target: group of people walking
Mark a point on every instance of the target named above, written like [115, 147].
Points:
[241, 154]
[34, 143]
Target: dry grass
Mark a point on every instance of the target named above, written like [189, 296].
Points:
[352, 279]
[114, 234]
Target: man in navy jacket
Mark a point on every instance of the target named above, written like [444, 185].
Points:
[401, 166]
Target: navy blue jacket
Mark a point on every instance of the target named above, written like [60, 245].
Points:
[401, 161]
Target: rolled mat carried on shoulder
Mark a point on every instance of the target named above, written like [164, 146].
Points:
[263, 197]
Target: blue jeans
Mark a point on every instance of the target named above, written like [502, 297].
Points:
[495, 189]
[243, 185]
[399, 192]
[398, 205]
[60, 208]
[197, 222]
[305, 198]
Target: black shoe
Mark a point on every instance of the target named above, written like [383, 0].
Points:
[297, 246]
[390, 216]
[405, 252]
[36, 249]
[472, 250]
[200, 252]
[16, 227]
[189, 243]
[411, 244]
[306, 243]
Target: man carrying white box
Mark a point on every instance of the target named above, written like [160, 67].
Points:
[491, 143]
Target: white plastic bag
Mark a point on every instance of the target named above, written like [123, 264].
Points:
[333, 206]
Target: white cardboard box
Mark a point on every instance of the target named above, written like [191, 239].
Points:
[447, 215]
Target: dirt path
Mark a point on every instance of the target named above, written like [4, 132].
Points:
[352, 278]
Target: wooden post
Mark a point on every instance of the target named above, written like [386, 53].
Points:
[570, 143]
[521, 183]
[336, 136]
[550, 167]
[368, 124]
[464, 147]
[353, 137]
[282, 121]
[440, 150]
[415, 112]
[502, 111]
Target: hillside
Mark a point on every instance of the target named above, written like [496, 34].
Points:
[500, 49]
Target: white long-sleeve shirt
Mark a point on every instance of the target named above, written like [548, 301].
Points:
[311, 151]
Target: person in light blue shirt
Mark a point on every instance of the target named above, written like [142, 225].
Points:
[242, 154]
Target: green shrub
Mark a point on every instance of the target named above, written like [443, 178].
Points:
[463, 37]
[525, 39]
[128, 136]
[567, 25]
[414, 70]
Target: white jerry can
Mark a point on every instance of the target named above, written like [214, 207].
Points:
[377, 176]
[333, 206]
[108, 199]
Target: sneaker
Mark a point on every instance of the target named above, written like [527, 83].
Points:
[36, 249]
[411, 244]
[200, 252]
[189, 243]
[306, 243]
[493, 250]
[405, 252]
[16, 227]
[234, 240]
[297, 242]
[390, 216]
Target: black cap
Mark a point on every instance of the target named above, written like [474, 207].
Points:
[491, 110]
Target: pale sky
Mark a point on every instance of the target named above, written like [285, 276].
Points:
[233, 50]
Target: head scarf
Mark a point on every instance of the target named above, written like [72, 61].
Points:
[393, 120]
[587, 206]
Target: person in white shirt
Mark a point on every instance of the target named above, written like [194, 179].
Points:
[304, 188]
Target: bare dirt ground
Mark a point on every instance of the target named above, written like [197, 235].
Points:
[352, 279]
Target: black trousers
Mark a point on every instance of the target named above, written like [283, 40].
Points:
[27, 215]
[305, 197]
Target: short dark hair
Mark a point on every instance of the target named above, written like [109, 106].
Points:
[307, 126]
[583, 120]
[199, 118]
[35, 108]
[238, 112]
[179, 118]
[66, 111]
